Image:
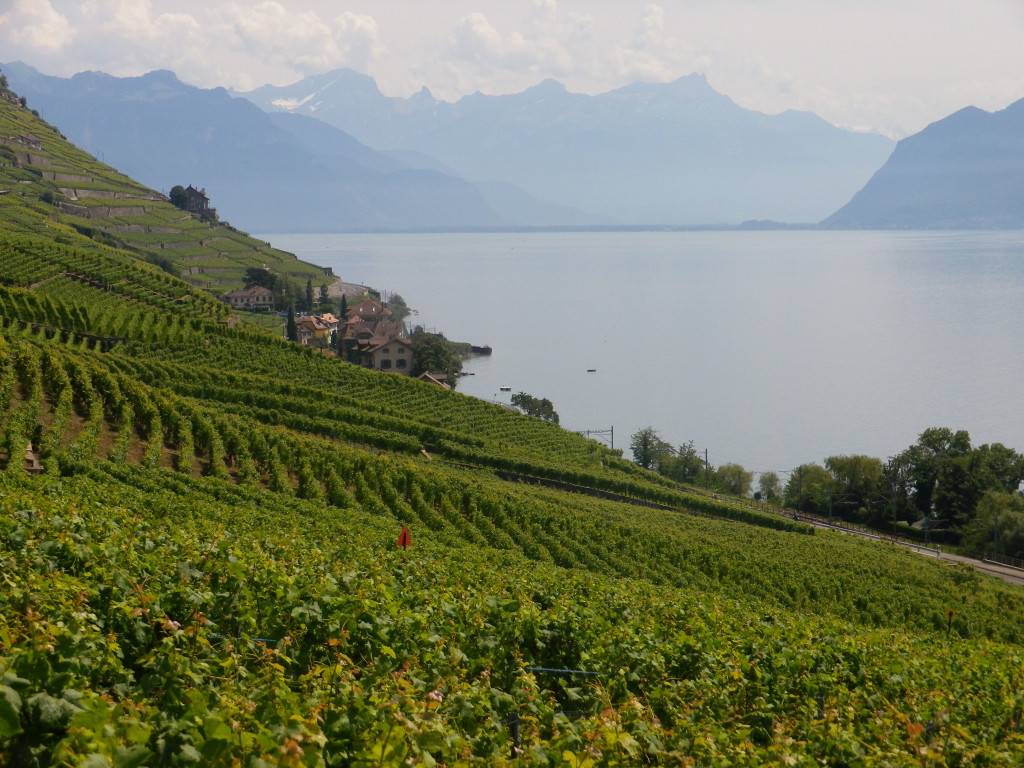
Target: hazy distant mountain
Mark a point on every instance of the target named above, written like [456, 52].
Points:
[963, 172]
[262, 172]
[674, 153]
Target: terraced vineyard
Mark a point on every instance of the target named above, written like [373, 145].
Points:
[69, 190]
[198, 529]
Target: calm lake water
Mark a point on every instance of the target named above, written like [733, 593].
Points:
[769, 349]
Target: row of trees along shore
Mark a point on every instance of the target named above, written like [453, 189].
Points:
[956, 492]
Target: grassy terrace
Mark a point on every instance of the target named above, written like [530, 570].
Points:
[203, 569]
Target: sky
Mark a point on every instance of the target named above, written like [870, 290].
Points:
[891, 66]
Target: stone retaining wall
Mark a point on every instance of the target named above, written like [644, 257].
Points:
[74, 210]
[105, 193]
[55, 176]
[102, 212]
[41, 161]
[142, 229]
[186, 244]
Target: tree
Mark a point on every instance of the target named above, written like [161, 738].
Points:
[858, 484]
[649, 450]
[684, 465]
[944, 477]
[433, 353]
[532, 406]
[1002, 468]
[926, 471]
[339, 342]
[261, 277]
[769, 485]
[292, 329]
[178, 196]
[342, 307]
[309, 295]
[734, 479]
[808, 489]
[399, 309]
[998, 525]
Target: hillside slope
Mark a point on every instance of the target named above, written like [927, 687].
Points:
[197, 546]
[963, 172]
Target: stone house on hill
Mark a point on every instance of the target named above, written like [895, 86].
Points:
[197, 202]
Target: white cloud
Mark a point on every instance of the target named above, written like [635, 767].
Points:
[538, 51]
[653, 54]
[34, 25]
[229, 43]
[361, 39]
[128, 37]
[301, 41]
[553, 42]
[871, 63]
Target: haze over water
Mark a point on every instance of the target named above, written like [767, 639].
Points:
[769, 349]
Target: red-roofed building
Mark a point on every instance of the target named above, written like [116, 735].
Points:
[372, 339]
[330, 321]
[311, 329]
[367, 309]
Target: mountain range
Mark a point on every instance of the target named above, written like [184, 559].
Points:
[334, 154]
[669, 153]
[284, 173]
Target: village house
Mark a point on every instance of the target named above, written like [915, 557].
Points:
[438, 379]
[369, 320]
[312, 331]
[256, 297]
[367, 310]
[370, 338]
[330, 321]
[393, 355]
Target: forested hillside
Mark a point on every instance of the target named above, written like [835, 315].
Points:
[198, 525]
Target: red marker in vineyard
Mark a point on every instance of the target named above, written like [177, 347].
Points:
[404, 539]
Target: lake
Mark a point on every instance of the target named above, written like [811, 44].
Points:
[768, 349]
